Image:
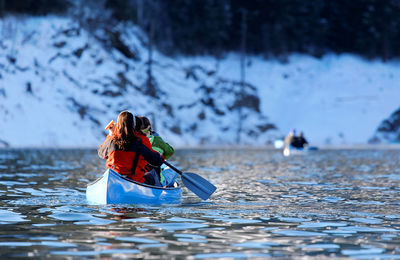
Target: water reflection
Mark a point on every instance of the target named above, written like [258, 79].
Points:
[340, 203]
[9, 217]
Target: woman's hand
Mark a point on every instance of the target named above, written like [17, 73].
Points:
[110, 127]
[111, 130]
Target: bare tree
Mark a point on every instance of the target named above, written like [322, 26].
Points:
[2, 5]
[242, 74]
[150, 80]
[91, 14]
[147, 13]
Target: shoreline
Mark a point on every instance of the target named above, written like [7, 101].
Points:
[224, 147]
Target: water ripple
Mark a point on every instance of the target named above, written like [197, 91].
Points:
[177, 226]
[10, 217]
[326, 204]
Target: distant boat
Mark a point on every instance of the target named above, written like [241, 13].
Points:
[291, 150]
[278, 144]
[113, 188]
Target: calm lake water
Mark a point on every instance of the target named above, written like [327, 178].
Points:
[327, 203]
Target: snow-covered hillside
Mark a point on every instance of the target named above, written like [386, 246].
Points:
[60, 85]
[334, 100]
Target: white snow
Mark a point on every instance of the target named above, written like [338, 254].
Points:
[337, 99]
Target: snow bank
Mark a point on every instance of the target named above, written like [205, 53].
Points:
[60, 86]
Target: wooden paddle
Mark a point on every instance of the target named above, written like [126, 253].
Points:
[197, 184]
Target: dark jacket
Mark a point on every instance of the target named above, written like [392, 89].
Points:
[299, 142]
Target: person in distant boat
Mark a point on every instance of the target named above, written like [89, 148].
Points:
[292, 140]
[289, 139]
[126, 153]
[300, 141]
[295, 141]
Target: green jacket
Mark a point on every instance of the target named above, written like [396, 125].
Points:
[160, 146]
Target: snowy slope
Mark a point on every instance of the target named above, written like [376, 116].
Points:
[60, 85]
[334, 100]
[338, 99]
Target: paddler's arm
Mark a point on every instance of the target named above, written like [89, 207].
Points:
[168, 151]
[152, 157]
[104, 149]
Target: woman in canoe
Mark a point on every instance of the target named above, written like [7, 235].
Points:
[126, 153]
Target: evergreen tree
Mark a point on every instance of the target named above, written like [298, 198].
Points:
[370, 28]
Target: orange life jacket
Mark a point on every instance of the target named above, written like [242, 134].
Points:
[123, 162]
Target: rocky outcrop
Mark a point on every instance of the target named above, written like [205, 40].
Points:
[388, 130]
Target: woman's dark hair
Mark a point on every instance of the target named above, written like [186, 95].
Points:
[123, 134]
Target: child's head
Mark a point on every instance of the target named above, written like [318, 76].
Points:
[146, 125]
[143, 125]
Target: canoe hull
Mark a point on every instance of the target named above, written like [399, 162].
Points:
[112, 188]
[298, 151]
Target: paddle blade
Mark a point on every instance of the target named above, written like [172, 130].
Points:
[198, 185]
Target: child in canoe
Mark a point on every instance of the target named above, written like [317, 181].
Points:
[167, 176]
[157, 143]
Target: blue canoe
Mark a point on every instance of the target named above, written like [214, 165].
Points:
[113, 188]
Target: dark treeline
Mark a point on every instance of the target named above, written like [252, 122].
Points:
[370, 28]
[35, 7]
